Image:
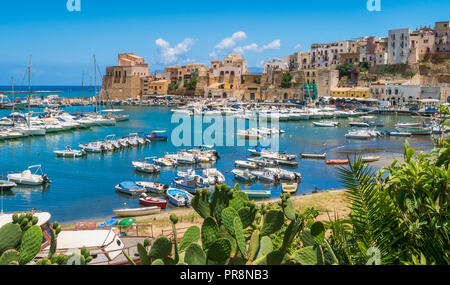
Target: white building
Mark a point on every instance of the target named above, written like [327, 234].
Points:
[274, 63]
[398, 46]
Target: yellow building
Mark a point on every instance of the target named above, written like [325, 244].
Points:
[347, 92]
[159, 87]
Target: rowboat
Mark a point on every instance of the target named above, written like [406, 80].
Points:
[314, 155]
[179, 197]
[258, 193]
[359, 124]
[370, 158]
[245, 164]
[337, 161]
[7, 185]
[329, 124]
[243, 175]
[153, 187]
[134, 212]
[289, 187]
[150, 202]
[130, 188]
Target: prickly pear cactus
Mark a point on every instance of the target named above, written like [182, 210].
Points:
[201, 204]
[143, 254]
[220, 250]
[10, 236]
[190, 236]
[306, 255]
[161, 248]
[254, 246]
[10, 257]
[247, 215]
[239, 236]
[239, 199]
[195, 255]
[30, 245]
[228, 215]
[220, 200]
[273, 221]
[209, 232]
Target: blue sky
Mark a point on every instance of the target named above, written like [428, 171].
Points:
[62, 43]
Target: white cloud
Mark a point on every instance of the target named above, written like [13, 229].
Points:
[169, 55]
[298, 47]
[228, 43]
[274, 45]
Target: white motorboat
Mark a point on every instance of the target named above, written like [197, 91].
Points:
[30, 131]
[7, 185]
[71, 153]
[359, 135]
[135, 212]
[212, 176]
[243, 175]
[265, 176]
[285, 174]
[245, 164]
[153, 187]
[163, 161]
[146, 167]
[33, 176]
[359, 124]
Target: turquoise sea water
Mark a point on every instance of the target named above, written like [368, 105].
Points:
[83, 189]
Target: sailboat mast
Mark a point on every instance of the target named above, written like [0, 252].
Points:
[14, 102]
[82, 85]
[95, 83]
[29, 84]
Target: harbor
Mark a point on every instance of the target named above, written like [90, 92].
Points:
[77, 184]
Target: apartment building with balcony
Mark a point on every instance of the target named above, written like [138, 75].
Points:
[442, 36]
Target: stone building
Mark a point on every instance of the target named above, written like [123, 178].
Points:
[126, 80]
[422, 43]
[442, 33]
[299, 61]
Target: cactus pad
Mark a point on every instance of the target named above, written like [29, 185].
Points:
[228, 215]
[200, 203]
[306, 255]
[195, 255]
[10, 235]
[161, 248]
[273, 221]
[9, 256]
[210, 232]
[220, 250]
[239, 235]
[143, 254]
[247, 216]
[190, 236]
[30, 245]
[238, 200]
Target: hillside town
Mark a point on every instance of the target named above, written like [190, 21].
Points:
[406, 68]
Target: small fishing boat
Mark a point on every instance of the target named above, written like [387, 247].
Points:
[153, 187]
[243, 175]
[314, 155]
[370, 158]
[134, 212]
[285, 174]
[337, 161]
[263, 162]
[212, 176]
[265, 176]
[328, 124]
[7, 185]
[279, 156]
[71, 153]
[359, 124]
[258, 193]
[188, 183]
[150, 201]
[398, 134]
[246, 164]
[130, 188]
[27, 177]
[179, 197]
[154, 136]
[289, 187]
[359, 135]
[146, 167]
[166, 162]
[408, 125]
[416, 132]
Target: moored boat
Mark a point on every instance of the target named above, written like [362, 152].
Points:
[243, 175]
[134, 212]
[153, 187]
[146, 167]
[150, 201]
[289, 187]
[337, 161]
[179, 197]
[7, 185]
[258, 193]
[27, 177]
[370, 158]
[130, 188]
[314, 155]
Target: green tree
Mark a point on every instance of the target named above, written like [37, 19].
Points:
[345, 69]
[286, 81]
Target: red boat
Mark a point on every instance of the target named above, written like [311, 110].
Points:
[149, 201]
[337, 161]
